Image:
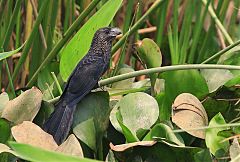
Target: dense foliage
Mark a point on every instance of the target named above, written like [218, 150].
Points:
[171, 92]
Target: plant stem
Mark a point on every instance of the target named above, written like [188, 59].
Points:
[65, 38]
[164, 69]
[57, 83]
[208, 127]
[218, 23]
[158, 70]
[136, 25]
[9, 78]
[30, 39]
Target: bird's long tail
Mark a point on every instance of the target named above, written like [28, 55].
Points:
[60, 121]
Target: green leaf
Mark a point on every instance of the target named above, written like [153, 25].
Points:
[130, 137]
[85, 131]
[150, 55]
[5, 55]
[203, 155]
[182, 81]
[139, 111]
[35, 154]
[213, 140]
[77, 48]
[164, 131]
[95, 106]
[216, 78]
[5, 130]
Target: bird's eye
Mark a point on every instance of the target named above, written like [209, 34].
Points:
[107, 32]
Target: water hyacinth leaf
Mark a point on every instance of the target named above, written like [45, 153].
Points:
[182, 81]
[163, 131]
[32, 134]
[5, 130]
[214, 106]
[95, 105]
[138, 110]
[216, 78]
[188, 113]
[234, 150]
[130, 137]
[213, 141]
[85, 131]
[5, 55]
[203, 155]
[31, 153]
[149, 54]
[113, 117]
[91, 118]
[124, 84]
[24, 107]
[77, 48]
[3, 101]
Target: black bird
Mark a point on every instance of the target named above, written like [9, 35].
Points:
[82, 80]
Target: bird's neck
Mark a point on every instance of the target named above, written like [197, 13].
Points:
[101, 47]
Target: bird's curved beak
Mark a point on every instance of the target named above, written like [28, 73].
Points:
[115, 31]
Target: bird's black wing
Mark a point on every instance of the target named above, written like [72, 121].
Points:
[83, 79]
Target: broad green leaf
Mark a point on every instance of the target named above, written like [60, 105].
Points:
[24, 107]
[3, 101]
[203, 155]
[216, 78]
[213, 141]
[150, 55]
[5, 55]
[214, 106]
[85, 131]
[130, 137]
[95, 106]
[138, 110]
[163, 131]
[36, 154]
[5, 130]
[77, 48]
[182, 81]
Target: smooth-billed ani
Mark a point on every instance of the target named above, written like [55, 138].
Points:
[82, 80]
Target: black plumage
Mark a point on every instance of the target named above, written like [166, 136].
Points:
[82, 80]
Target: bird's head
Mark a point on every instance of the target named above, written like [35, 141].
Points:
[107, 33]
